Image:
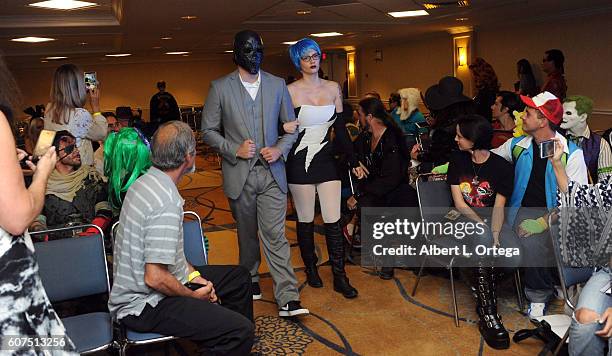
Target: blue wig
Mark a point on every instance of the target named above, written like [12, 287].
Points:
[300, 48]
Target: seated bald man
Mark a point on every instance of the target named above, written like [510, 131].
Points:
[149, 266]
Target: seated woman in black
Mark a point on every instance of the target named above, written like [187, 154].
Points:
[481, 179]
[381, 150]
[382, 153]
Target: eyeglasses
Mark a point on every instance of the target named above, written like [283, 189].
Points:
[313, 57]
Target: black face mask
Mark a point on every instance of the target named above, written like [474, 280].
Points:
[248, 51]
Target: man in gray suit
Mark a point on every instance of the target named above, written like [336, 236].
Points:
[241, 119]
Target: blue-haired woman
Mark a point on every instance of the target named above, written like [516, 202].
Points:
[311, 165]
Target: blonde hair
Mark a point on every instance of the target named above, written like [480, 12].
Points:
[410, 97]
[67, 93]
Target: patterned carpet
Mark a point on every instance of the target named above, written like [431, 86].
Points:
[384, 320]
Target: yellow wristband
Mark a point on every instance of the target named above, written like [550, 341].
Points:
[542, 222]
[96, 113]
[193, 275]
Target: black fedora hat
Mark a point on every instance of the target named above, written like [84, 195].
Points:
[448, 91]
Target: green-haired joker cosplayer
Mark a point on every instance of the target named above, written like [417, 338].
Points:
[577, 109]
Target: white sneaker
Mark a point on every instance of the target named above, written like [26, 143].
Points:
[293, 308]
[536, 310]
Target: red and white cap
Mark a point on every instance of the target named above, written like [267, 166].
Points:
[549, 105]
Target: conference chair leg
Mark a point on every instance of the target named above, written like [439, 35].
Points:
[562, 342]
[519, 289]
[416, 283]
[452, 281]
[350, 258]
[123, 349]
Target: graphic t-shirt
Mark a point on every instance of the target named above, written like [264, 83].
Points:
[480, 182]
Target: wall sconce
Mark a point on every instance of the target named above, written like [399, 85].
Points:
[378, 55]
[351, 66]
[461, 56]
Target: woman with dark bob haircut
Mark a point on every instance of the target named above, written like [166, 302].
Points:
[481, 180]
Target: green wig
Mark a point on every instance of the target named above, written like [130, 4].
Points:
[126, 157]
[583, 104]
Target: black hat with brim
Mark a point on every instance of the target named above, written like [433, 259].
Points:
[448, 91]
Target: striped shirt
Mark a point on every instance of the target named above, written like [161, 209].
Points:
[150, 231]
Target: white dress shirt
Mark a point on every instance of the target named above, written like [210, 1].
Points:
[252, 88]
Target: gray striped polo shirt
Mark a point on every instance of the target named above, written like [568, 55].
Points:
[150, 231]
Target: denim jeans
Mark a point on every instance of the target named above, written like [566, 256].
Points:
[582, 338]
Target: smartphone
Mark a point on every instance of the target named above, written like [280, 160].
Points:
[91, 80]
[547, 149]
[193, 286]
[45, 140]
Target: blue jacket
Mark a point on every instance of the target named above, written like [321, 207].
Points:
[409, 126]
[575, 168]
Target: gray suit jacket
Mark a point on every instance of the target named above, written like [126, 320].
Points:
[225, 127]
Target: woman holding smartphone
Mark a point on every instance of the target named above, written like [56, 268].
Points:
[24, 306]
[65, 110]
[311, 164]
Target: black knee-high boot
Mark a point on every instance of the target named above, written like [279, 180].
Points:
[335, 248]
[490, 324]
[305, 237]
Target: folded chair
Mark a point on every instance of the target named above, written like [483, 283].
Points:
[73, 268]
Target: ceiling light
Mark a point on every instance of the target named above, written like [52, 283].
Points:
[63, 4]
[412, 13]
[463, 3]
[185, 55]
[326, 34]
[229, 51]
[290, 43]
[166, 38]
[44, 61]
[119, 55]
[178, 52]
[82, 43]
[431, 6]
[33, 39]
[54, 58]
[462, 19]
[189, 17]
[303, 12]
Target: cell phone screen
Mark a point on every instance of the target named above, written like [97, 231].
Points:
[91, 80]
[45, 140]
[547, 149]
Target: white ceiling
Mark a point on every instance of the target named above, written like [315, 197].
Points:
[136, 26]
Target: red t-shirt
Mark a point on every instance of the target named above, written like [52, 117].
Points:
[499, 134]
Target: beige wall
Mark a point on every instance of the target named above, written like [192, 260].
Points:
[419, 63]
[585, 42]
[415, 63]
[134, 84]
